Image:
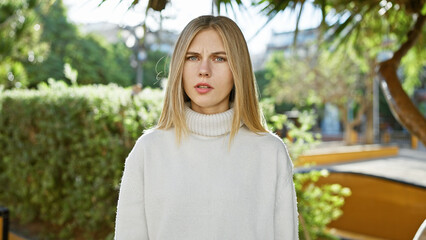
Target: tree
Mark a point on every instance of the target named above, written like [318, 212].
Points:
[37, 41]
[324, 77]
[95, 60]
[374, 39]
[19, 40]
[402, 107]
[349, 15]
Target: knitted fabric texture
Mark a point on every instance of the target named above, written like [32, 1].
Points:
[204, 189]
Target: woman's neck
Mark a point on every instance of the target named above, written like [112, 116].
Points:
[210, 125]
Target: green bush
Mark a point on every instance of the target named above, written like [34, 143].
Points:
[317, 205]
[63, 150]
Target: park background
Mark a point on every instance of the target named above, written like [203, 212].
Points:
[81, 80]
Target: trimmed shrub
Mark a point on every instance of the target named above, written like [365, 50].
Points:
[63, 150]
[62, 153]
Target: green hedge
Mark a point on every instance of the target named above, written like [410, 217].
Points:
[62, 154]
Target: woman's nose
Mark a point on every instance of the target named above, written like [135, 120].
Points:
[204, 70]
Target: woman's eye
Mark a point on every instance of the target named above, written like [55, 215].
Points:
[192, 58]
[220, 59]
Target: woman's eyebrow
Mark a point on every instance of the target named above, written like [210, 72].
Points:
[219, 53]
[192, 53]
[213, 53]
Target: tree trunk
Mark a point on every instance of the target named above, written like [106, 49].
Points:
[157, 5]
[369, 113]
[400, 104]
[369, 130]
[349, 134]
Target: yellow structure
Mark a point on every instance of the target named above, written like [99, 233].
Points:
[379, 208]
[346, 154]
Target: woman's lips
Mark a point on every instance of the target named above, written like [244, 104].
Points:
[203, 88]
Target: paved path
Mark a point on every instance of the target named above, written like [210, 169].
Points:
[409, 167]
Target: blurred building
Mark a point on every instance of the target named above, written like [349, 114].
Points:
[284, 41]
[154, 40]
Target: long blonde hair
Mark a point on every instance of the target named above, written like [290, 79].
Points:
[244, 95]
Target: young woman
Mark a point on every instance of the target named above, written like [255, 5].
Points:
[210, 169]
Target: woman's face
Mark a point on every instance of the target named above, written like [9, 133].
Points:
[207, 78]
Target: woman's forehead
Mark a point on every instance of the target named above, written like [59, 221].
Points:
[209, 40]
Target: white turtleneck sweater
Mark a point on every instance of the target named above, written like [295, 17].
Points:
[204, 190]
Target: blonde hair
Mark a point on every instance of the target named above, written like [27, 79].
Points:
[244, 95]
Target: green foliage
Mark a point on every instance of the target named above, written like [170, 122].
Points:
[261, 81]
[370, 43]
[321, 77]
[119, 69]
[317, 205]
[37, 40]
[318, 78]
[96, 61]
[299, 136]
[12, 74]
[63, 150]
[275, 122]
[155, 68]
[16, 27]
[70, 73]
[19, 40]
[414, 66]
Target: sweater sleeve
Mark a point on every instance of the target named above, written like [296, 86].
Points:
[130, 220]
[286, 216]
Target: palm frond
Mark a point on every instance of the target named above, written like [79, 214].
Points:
[228, 4]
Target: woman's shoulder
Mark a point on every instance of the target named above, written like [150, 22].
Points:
[265, 143]
[154, 136]
[264, 138]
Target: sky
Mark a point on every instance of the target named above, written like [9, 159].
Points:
[179, 12]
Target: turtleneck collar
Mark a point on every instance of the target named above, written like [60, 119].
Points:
[210, 125]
